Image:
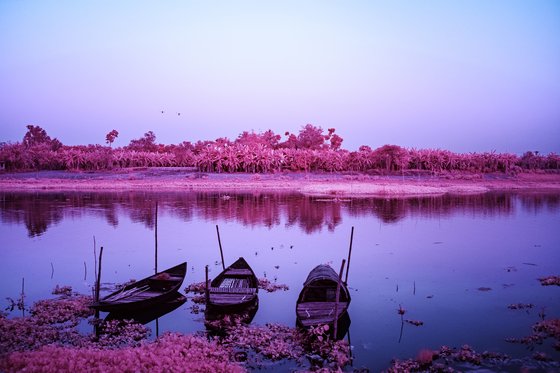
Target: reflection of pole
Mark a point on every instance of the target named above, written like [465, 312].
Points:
[206, 290]
[220, 243]
[97, 287]
[335, 323]
[349, 255]
[156, 236]
[350, 349]
[22, 296]
[157, 327]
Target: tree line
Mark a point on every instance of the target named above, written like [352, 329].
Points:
[310, 150]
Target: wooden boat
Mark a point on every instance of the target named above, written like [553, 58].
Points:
[149, 314]
[235, 288]
[152, 290]
[317, 303]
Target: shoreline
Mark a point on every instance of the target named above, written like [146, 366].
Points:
[314, 184]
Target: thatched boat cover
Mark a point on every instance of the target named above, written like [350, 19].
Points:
[321, 272]
[320, 286]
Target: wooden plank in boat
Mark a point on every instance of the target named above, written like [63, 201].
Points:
[232, 290]
[239, 272]
[314, 310]
[225, 298]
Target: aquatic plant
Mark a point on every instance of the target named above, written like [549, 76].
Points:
[171, 352]
[270, 287]
[520, 306]
[550, 280]
[61, 310]
[120, 333]
[444, 359]
[197, 287]
[541, 331]
[276, 342]
[414, 322]
[62, 290]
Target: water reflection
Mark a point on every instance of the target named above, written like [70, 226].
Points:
[146, 315]
[39, 211]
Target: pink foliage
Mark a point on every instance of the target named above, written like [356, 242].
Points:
[309, 150]
[172, 352]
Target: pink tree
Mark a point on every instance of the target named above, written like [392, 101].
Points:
[111, 136]
[310, 137]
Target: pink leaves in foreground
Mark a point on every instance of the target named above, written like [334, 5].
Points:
[277, 342]
[172, 352]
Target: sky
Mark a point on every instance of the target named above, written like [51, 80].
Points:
[466, 76]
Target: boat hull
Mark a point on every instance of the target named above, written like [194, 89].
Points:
[148, 292]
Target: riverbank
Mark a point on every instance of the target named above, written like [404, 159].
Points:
[318, 184]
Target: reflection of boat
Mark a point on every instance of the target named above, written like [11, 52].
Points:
[343, 325]
[218, 319]
[145, 315]
[317, 303]
[145, 293]
[235, 288]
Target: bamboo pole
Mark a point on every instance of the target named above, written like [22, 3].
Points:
[349, 255]
[206, 290]
[98, 284]
[94, 258]
[221, 251]
[335, 323]
[156, 240]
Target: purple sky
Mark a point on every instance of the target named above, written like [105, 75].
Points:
[464, 76]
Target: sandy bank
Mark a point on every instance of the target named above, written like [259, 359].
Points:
[335, 185]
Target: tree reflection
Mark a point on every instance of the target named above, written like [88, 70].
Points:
[39, 211]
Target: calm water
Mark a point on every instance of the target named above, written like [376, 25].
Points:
[430, 255]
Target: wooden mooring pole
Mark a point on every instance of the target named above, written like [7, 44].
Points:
[98, 282]
[335, 323]
[221, 251]
[155, 238]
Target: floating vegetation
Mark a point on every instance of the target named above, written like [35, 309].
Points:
[414, 322]
[270, 287]
[52, 321]
[277, 342]
[520, 306]
[443, 359]
[550, 280]
[121, 333]
[541, 331]
[62, 290]
[167, 354]
[53, 311]
[197, 287]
